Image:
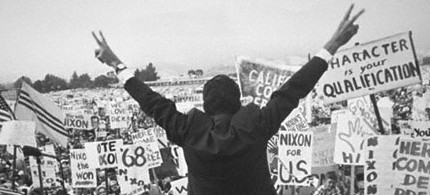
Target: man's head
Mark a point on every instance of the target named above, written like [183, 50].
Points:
[331, 179]
[221, 95]
[95, 121]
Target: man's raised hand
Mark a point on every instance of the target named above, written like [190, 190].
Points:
[346, 30]
[104, 53]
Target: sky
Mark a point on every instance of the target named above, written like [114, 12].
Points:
[54, 36]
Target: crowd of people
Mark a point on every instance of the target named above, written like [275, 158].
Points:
[93, 103]
[94, 99]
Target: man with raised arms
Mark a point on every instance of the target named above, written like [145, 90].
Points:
[225, 146]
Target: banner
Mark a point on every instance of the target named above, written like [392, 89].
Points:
[146, 138]
[294, 122]
[103, 154]
[179, 187]
[75, 121]
[371, 67]
[323, 147]
[18, 133]
[119, 116]
[82, 175]
[258, 79]
[378, 170]
[412, 167]
[350, 133]
[295, 156]
[133, 169]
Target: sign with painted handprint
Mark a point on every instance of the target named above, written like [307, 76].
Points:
[350, 135]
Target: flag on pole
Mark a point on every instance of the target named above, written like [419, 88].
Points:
[49, 118]
[6, 113]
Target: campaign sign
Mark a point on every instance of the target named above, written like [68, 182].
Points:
[82, 175]
[378, 172]
[295, 157]
[146, 138]
[119, 116]
[103, 154]
[350, 134]
[294, 122]
[323, 147]
[258, 79]
[371, 67]
[133, 169]
[412, 167]
[75, 121]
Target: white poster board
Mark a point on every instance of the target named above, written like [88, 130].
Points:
[82, 175]
[350, 134]
[295, 155]
[103, 154]
[369, 68]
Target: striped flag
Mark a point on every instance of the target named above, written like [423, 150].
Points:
[49, 118]
[6, 113]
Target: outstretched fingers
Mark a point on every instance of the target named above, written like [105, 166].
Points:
[345, 18]
[350, 23]
[96, 38]
[103, 37]
[348, 13]
[356, 16]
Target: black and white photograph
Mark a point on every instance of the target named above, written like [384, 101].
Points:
[199, 97]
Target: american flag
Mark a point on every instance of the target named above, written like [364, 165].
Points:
[5, 112]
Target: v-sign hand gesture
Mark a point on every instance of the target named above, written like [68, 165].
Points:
[346, 30]
[104, 53]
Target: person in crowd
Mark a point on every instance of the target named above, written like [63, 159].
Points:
[329, 187]
[225, 146]
[359, 188]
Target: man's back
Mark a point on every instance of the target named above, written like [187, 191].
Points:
[226, 153]
[233, 160]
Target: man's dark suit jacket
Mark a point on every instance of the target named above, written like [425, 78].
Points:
[226, 153]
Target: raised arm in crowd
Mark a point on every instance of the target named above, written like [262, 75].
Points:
[225, 146]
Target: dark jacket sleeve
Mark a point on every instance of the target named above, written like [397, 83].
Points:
[161, 109]
[286, 98]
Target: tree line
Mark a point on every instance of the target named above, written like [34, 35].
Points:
[55, 83]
